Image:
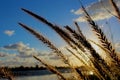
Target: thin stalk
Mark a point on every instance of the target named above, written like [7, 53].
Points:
[115, 8]
[51, 68]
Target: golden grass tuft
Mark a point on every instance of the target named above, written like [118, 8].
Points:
[6, 73]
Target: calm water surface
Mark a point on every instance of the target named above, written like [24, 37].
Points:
[39, 75]
[43, 77]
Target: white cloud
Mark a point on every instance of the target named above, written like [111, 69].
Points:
[9, 32]
[23, 49]
[17, 61]
[23, 56]
[12, 46]
[24, 53]
[3, 54]
[97, 10]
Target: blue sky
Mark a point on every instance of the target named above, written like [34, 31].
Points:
[57, 12]
[60, 12]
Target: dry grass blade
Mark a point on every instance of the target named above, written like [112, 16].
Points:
[38, 17]
[107, 9]
[51, 68]
[115, 8]
[79, 30]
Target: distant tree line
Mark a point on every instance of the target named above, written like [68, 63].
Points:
[23, 68]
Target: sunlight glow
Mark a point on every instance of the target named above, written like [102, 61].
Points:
[91, 72]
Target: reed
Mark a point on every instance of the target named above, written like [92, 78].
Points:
[102, 37]
[104, 41]
[95, 56]
[83, 48]
[58, 30]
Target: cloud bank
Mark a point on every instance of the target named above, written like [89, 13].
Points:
[22, 55]
[18, 54]
[97, 11]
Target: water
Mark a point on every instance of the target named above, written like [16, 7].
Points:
[42, 77]
[35, 75]
[38, 75]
